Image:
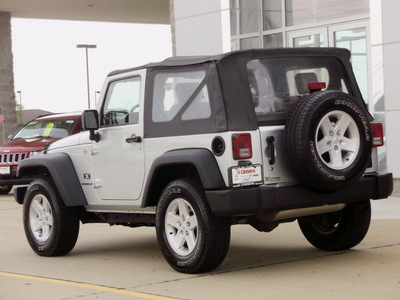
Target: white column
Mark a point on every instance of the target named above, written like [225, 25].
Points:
[385, 49]
[201, 27]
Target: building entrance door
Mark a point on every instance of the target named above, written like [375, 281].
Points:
[352, 36]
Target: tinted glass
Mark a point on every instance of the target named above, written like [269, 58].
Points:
[355, 40]
[249, 16]
[277, 84]
[272, 14]
[273, 40]
[249, 43]
[311, 11]
[174, 93]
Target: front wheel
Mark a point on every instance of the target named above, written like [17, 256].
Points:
[50, 227]
[191, 238]
[5, 189]
[338, 230]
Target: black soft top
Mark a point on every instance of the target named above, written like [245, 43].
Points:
[179, 61]
[227, 78]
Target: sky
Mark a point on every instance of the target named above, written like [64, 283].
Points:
[50, 71]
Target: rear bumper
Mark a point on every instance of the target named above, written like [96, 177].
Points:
[268, 199]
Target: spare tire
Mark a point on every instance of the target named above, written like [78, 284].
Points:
[328, 140]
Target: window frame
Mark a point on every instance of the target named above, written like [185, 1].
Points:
[216, 122]
[102, 119]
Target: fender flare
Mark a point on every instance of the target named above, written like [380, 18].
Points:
[202, 159]
[63, 173]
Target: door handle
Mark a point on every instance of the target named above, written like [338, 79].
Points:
[270, 150]
[94, 150]
[134, 139]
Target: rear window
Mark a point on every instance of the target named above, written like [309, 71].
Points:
[56, 128]
[276, 84]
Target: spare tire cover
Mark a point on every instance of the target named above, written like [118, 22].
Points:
[328, 140]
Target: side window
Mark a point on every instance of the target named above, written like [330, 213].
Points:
[199, 108]
[122, 102]
[173, 90]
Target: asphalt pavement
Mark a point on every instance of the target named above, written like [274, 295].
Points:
[116, 262]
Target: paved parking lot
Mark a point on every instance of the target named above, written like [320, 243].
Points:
[124, 263]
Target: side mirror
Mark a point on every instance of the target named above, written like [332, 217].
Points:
[90, 121]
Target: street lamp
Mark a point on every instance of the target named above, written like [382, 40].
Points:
[20, 107]
[86, 46]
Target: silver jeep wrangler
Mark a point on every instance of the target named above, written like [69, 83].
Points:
[193, 145]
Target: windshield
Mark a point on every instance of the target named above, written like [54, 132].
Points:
[277, 84]
[57, 128]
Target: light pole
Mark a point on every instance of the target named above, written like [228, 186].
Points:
[86, 46]
[20, 107]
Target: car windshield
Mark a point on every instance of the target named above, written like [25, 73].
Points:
[276, 84]
[49, 128]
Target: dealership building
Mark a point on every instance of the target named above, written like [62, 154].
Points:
[368, 28]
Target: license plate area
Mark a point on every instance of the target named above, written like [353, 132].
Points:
[5, 170]
[245, 175]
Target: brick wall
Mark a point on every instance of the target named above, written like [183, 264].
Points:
[7, 94]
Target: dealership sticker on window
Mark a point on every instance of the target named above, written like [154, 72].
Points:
[245, 175]
[48, 129]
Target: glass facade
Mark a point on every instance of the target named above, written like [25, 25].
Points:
[272, 14]
[273, 40]
[248, 16]
[313, 40]
[355, 40]
[249, 43]
[271, 20]
[310, 11]
[305, 23]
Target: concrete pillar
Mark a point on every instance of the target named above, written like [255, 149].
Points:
[201, 27]
[385, 49]
[7, 94]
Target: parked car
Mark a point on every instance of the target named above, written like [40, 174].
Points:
[193, 145]
[31, 139]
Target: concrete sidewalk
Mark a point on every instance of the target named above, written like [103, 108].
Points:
[124, 263]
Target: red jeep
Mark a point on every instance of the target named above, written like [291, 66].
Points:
[31, 139]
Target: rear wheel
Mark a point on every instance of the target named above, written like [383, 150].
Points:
[339, 230]
[50, 227]
[191, 238]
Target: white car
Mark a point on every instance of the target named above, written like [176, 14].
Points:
[193, 145]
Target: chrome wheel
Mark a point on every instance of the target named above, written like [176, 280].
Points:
[41, 218]
[181, 227]
[337, 139]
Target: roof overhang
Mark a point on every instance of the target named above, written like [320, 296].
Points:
[128, 11]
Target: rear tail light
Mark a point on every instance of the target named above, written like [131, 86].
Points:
[241, 146]
[377, 133]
